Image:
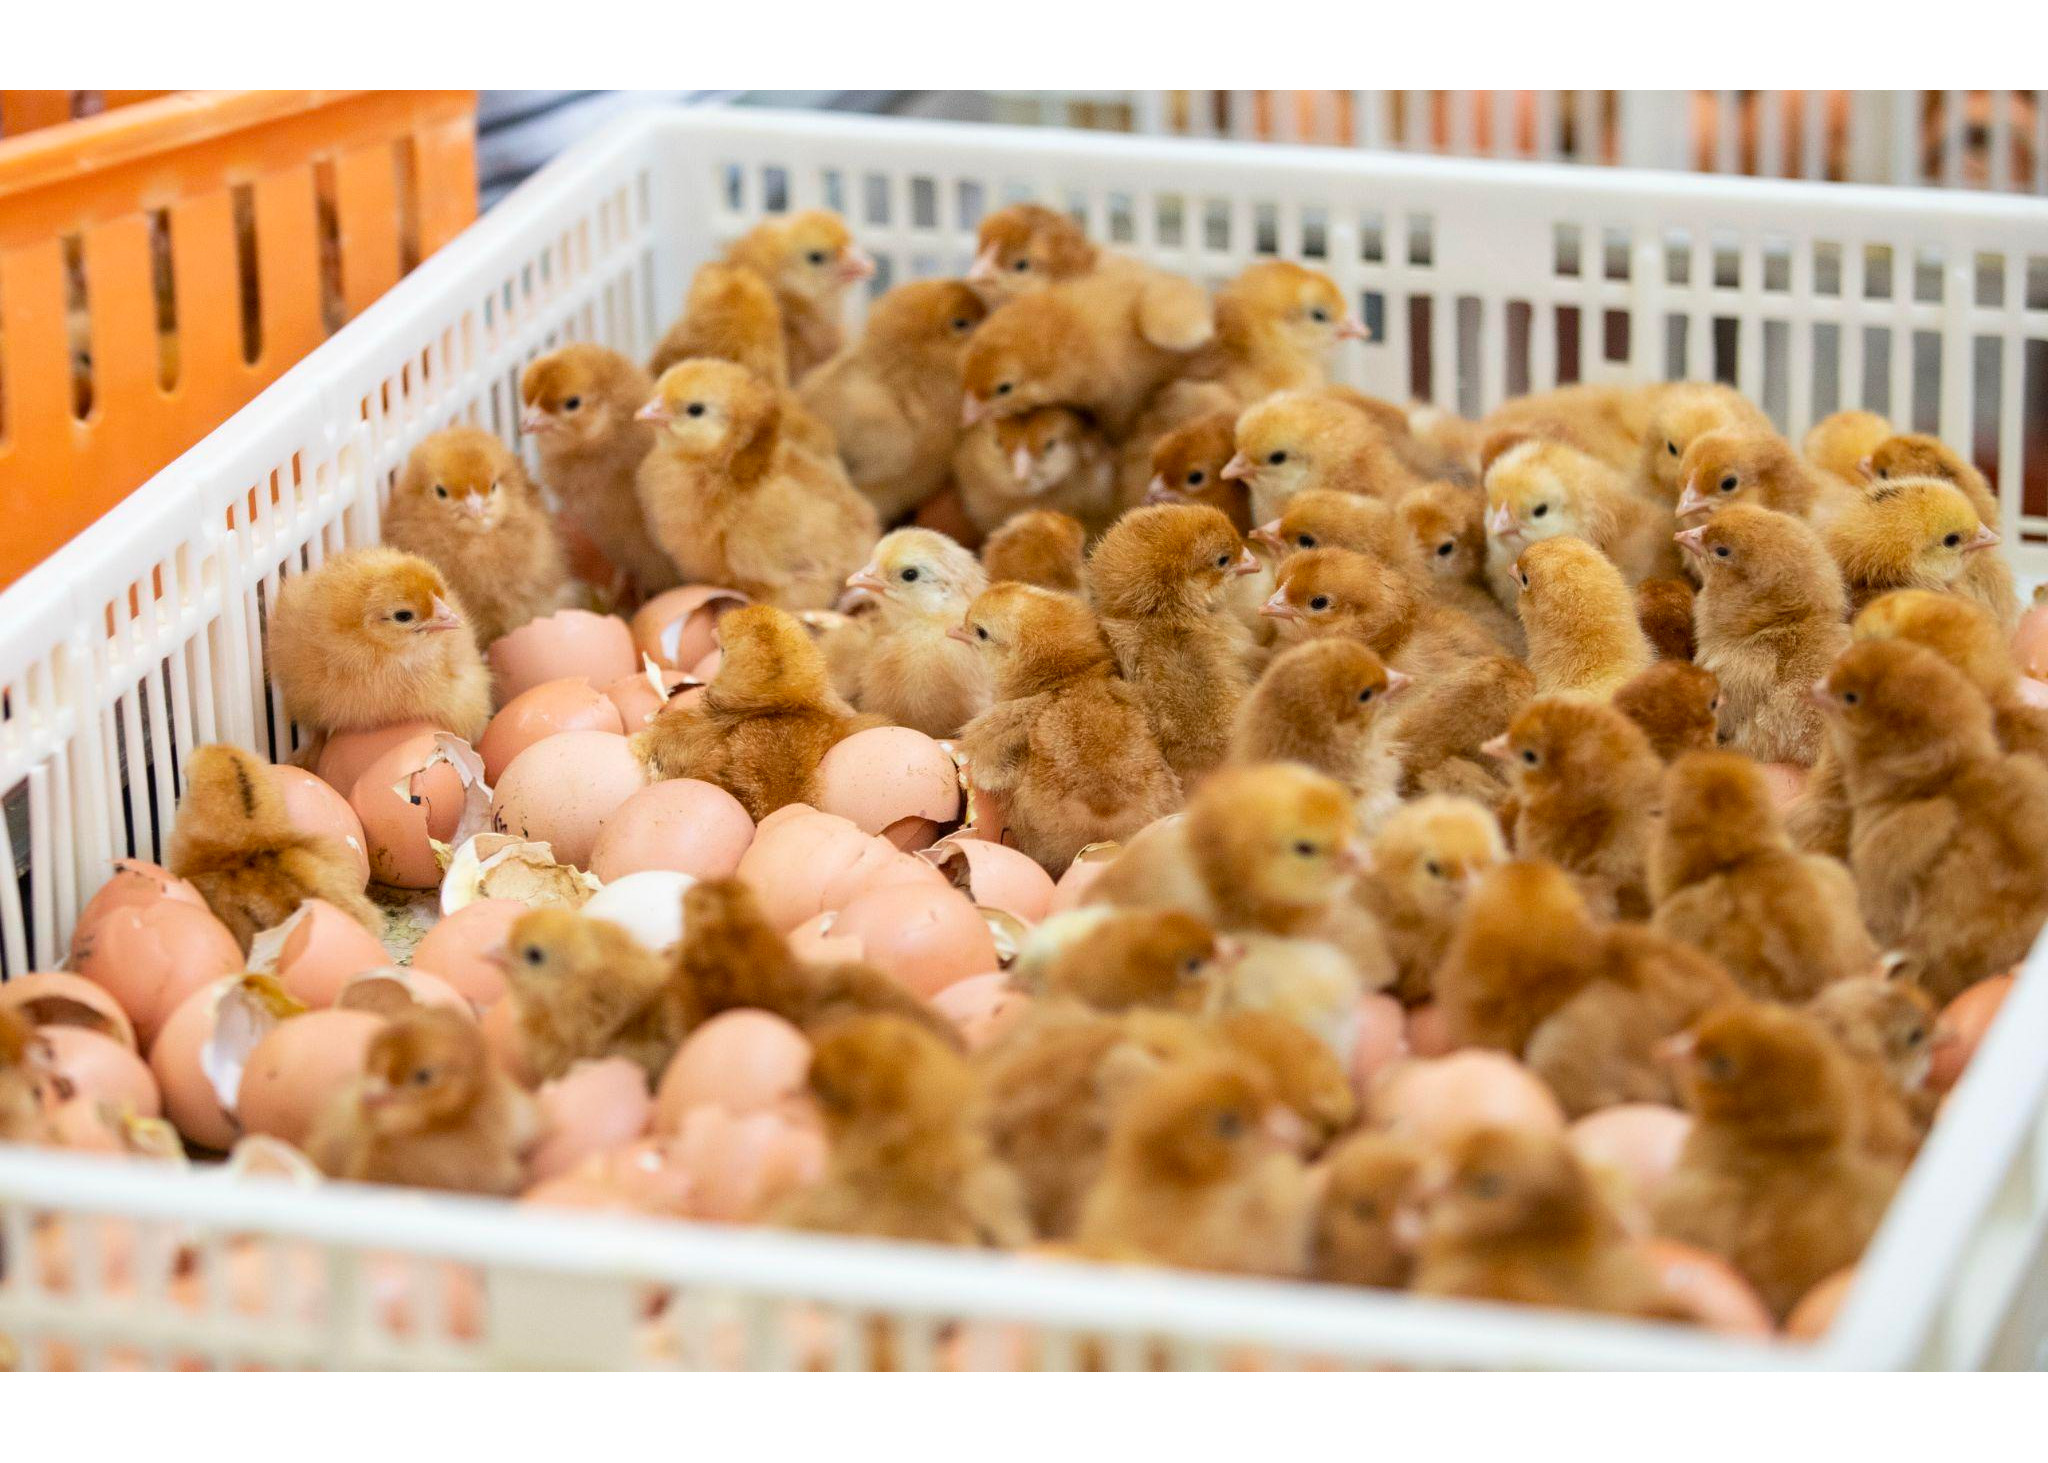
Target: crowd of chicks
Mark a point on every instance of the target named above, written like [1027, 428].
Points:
[1516, 860]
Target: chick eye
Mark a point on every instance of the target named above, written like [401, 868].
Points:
[1730, 483]
[494, 487]
[1721, 551]
[404, 617]
[423, 1077]
[1006, 388]
[1196, 478]
[1319, 315]
[1191, 966]
[694, 409]
[572, 403]
[1320, 602]
[1851, 698]
[1484, 1186]
[1305, 540]
[981, 632]
[1541, 509]
[962, 323]
[1434, 869]
[1276, 458]
[1304, 849]
[1884, 474]
[1672, 448]
[816, 256]
[1524, 577]
[440, 491]
[533, 955]
[1718, 1067]
[1952, 540]
[1224, 561]
[1022, 266]
[1229, 1125]
[908, 576]
[1365, 695]
[1445, 549]
[1529, 756]
[1916, 1036]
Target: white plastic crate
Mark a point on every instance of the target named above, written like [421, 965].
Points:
[142, 639]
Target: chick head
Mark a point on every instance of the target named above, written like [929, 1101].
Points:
[1499, 1184]
[884, 1070]
[1566, 581]
[1305, 1075]
[400, 600]
[930, 318]
[1676, 703]
[767, 657]
[1718, 810]
[1435, 850]
[1282, 440]
[1161, 958]
[810, 255]
[1337, 592]
[1915, 455]
[1188, 462]
[1921, 527]
[1726, 466]
[1031, 636]
[423, 1071]
[713, 410]
[1304, 304]
[1372, 1195]
[546, 948]
[1764, 552]
[922, 571]
[1024, 246]
[1171, 556]
[1328, 685]
[1197, 1122]
[1325, 518]
[1882, 1019]
[1043, 446]
[579, 396]
[465, 474]
[1039, 547]
[1769, 1070]
[1564, 743]
[1534, 493]
[1447, 525]
[1960, 631]
[1680, 415]
[1275, 830]
[1890, 698]
[1526, 906]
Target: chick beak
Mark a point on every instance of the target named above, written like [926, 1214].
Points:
[1238, 467]
[1021, 463]
[476, 505]
[1675, 1050]
[1397, 682]
[500, 956]
[1285, 1129]
[983, 269]
[1692, 500]
[960, 633]
[972, 410]
[655, 411]
[1498, 747]
[1353, 858]
[1279, 608]
[1228, 950]
[1247, 563]
[1690, 540]
[855, 265]
[1867, 468]
[1407, 1227]
[1987, 538]
[1502, 523]
[1942, 1037]
[377, 1092]
[1269, 535]
[1157, 491]
[868, 579]
[1817, 693]
[533, 421]
[1352, 328]
[444, 617]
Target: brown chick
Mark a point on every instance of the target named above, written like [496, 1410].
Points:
[1369, 1217]
[765, 722]
[1066, 747]
[1664, 610]
[431, 1111]
[582, 404]
[1159, 958]
[1277, 325]
[1680, 414]
[1442, 729]
[1335, 592]
[910, 1157]
[1518, 1218]
[236, 844]
[1909, 533]
[809, 259]
[1987, 577]
[1608, 422]
[1677, 705]
[1542, 490]
[583, 989]
[1040, 548]
[1297, 440]
[1187, 467]
[465, 504]
[1323, 518]
[372, 637]
[1886, 1027]
[1156, 580]
[1050, 458]
[730, 314]
[732, 503]
[1727, 881]
[1446, 525]
[1026, 246]
[1769, 619]
[1189, 1179]
[1587, 786]
[1530, 972]
[893, 398]
[1840, 444]
[1425, 860]
[1580, 620]
[1759, 468]
[1773, 1177]
[1945, 829]
[1321, 704]
[911, 670]
[23, 1076]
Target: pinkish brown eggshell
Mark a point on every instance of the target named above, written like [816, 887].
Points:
[399, 831]
[566, 643]
[560, 791]
[803, 862]
[925, 937]
[1960, 1029]
[706, 670]
[1381, 1039]
[681, 825]
[300, 1067]
[636, 700]
[993, 876]
[500, 1026]
[2033, 692]
[102, 1069]
[324, 948]
[591, 1108]
[458, 948]
[59, 998]
[134, 882]
[741, 1163]
[982, 1007]
[2030, 642]
[1080, 876]
[149, 957]
[676, 628]
[743, 1061]
[1429, 1034]
[318, 809]
[1707, 1288]
[1814, 1316]
[572, 704]
[348, 755]
[644, 1177]
[1786, 781]
[392, 991]
[810, 941]
[1435, 1100]
[1640, 1141]
[891, 781]
[180, 1062]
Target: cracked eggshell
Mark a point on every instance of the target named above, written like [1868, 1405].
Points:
[392, 991]
[499, 866]
[648, 906]
[100, 1069]
[205, 1048]
[639, 696]
[982, 1007]
[561, 790]
[644, 1177]
[428, 789]
[681, 824]
[564, 644]
[346, 756]
[706, 670]
[925, 937]
[315, 951]
[134, 882]
[318, 809]
[1436, 1100]
[571, 704]
[891, 781]
[742, 1061]
[741, 1163]
[993, 876]
[594, 1107]
[813, 942]
[1081, 874]
[300, 1067]
[150, 957]
[1707, 1288]
[676, 628]
[59, 998]
[797, 853]
[457, 949]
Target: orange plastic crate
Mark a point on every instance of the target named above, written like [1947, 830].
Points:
[163, 262]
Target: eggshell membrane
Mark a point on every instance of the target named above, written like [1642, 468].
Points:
[59, 998]
[560, 791]
[1380, 1039]
[677, 628]
[1960, 1028]
[1437, 1099]
[176, 1060]
[892, 781]
[2030, 642]
[392, 991]
[983, 1008]
[571, 704]
[1429, 1034]
[1080, 875]
[134, 882]
[348, 755]
[812, 941]
[743, 1061]
[457, 948]
[299, 1068]
[1640, 1141]
[318, 809]
[994, 876]
[564, 644]
[636, 700]
[397, 830]
[925, 937]
[591, 1108]
[150, 957]
[325, 947]
[680, 824]
[803, 862]
[1814, 1316]
[101, 1068]
[648, 906]
[1708, 1288]
[740, 1163]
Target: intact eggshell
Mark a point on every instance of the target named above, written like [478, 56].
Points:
[59, 998]
[1707, 1288]
[1815, 1314]
[425, 790]
[314, 951]
[150, 957]
[1640, 1141]
[677, 627]
[1429, 1034]
[1081, 874]
[346, 756]
[982, 1007]
[639, 696]
[316, 808]
[572, 704]
[591, 1108]
[1960, 1028]
[741, 1163]
[993, 876]
[134, 882]
[680, 824]
[743, 1061]
[1380, 1039]
[2030, 642]
[204, 1049]
[391, 991]
[647, 906]
[500, 1027]
[1435, 1100]
[1786, 781]
[300, 1067]
[101, 1069]
[892, 781]
[925, 937]
[566, 643]
[560, 791]
[458, 948]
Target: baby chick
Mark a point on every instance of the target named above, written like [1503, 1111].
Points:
[1442, 728]
[1664, 610]
[809, 259]
[1964, 634]
[1886, 1028]
[1987, 578]
[1424, 860]
[1909, 533]
[1160, 958]
[235, 843]
[1840, 444]
[1759, 468]
[1369, 1216]
[893, 398]
[1945, 829]
[1320, 704]
[1156, 579]
[1769, 620]
[1296, 440]
[1680, 413]
[1540, 490]
[1677, 705]
[23, 1075]
[1335, 592]
[1518, 1218]
[431, 1111]
[1580, 620]
[1726, 880]
[1607, 422]
[372, 637]
[1587, 786]
[1041, 548]
[1190, 1181]
[582, 404]
[582, 989]
[765, 722]
[1050, 458]
[1773, 1177]
[1446, 526]
[909, 1156]
[465, 505]
[911, 670]
[1066, 747]
[1187, 467]
[1323, 518]
[730, 314]
[1025, 246]
[1277, 324]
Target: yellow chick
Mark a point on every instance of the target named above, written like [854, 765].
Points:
[911, 669]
